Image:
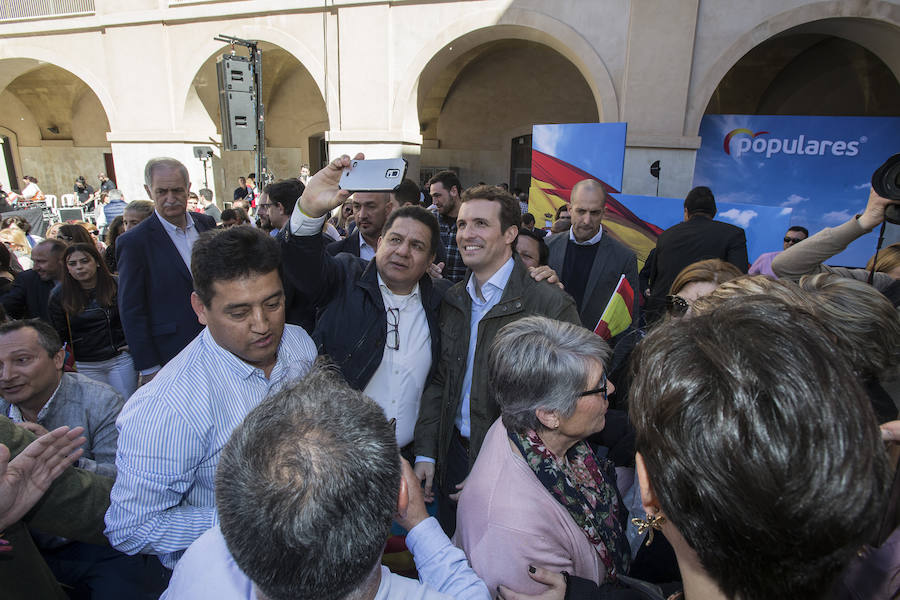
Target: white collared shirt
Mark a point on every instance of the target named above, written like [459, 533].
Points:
[399, 380]
[182, 238]
[589, 242]
[490, 295]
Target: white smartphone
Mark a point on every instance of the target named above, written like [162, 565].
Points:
[378, 175]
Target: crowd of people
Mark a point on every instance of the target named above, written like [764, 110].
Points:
[255, 401]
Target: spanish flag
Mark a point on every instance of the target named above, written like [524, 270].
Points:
[552, 181]
[617, 315]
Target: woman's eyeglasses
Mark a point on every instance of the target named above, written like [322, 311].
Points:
[597, 390]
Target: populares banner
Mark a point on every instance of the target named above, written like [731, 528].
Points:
[563, 155]
[816, 170]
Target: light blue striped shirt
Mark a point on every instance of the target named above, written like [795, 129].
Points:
[171, 432]
[490, 294]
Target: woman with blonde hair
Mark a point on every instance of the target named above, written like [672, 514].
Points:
[867, 328]
[754, 285]
[888, 261]
[16, 242]
[696, 280]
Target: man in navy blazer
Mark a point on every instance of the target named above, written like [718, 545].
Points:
[155, 282]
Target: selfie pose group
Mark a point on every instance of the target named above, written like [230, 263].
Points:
[259, 411]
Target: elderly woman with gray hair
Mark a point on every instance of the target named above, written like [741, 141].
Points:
[538, 493]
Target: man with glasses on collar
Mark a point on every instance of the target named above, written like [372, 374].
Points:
[378, 319]
[763, 264]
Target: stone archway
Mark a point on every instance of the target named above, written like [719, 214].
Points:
[874, 25]
[59, 121]
[481, 27]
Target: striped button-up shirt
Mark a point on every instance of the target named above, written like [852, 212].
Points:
[171, 433]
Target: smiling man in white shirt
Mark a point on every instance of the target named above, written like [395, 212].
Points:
[377, 319]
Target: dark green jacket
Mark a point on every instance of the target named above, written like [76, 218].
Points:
[522, 297]
[73, 507]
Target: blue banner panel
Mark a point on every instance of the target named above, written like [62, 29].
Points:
[815, 169]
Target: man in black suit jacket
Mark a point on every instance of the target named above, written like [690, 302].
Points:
[29, 295]
[697, 238]
[590, 262]
[155, 282]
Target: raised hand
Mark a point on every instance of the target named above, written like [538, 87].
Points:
[24, 479]
[323, 193]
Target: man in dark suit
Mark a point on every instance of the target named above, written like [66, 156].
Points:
[29, 295]
[589, 262]
[697, 238]
[154, 260]
[371, 210]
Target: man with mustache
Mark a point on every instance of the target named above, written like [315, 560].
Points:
[154, 261]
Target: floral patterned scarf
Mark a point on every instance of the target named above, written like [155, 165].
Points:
[581, 482]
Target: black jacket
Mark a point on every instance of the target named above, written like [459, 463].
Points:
[683, 244]
[352, 323]
[96, 332]
[349, 244]
[28, 296]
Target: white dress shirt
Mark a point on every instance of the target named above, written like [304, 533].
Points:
[399, 380]
[182, 238]
[589, 242]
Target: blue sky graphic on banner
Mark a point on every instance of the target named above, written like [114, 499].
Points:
[598, 148]
[764, 225]
[815, 170]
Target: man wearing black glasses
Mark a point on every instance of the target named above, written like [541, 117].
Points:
[378, 319]
[763, 264]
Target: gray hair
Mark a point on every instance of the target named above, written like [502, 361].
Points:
[115, 195]
[864, 321]
[165, 161]
[307, 489]
[538, 362]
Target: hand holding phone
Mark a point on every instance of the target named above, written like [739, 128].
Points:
[379, 175]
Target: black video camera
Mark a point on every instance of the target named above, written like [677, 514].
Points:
[886, 183]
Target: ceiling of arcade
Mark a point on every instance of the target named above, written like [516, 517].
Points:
[808, 74]
[50, 103]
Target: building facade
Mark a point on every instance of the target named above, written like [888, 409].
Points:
[103, 85]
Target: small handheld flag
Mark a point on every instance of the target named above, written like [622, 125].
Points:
[618, 314]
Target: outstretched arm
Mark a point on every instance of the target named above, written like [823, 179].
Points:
[807, 256]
